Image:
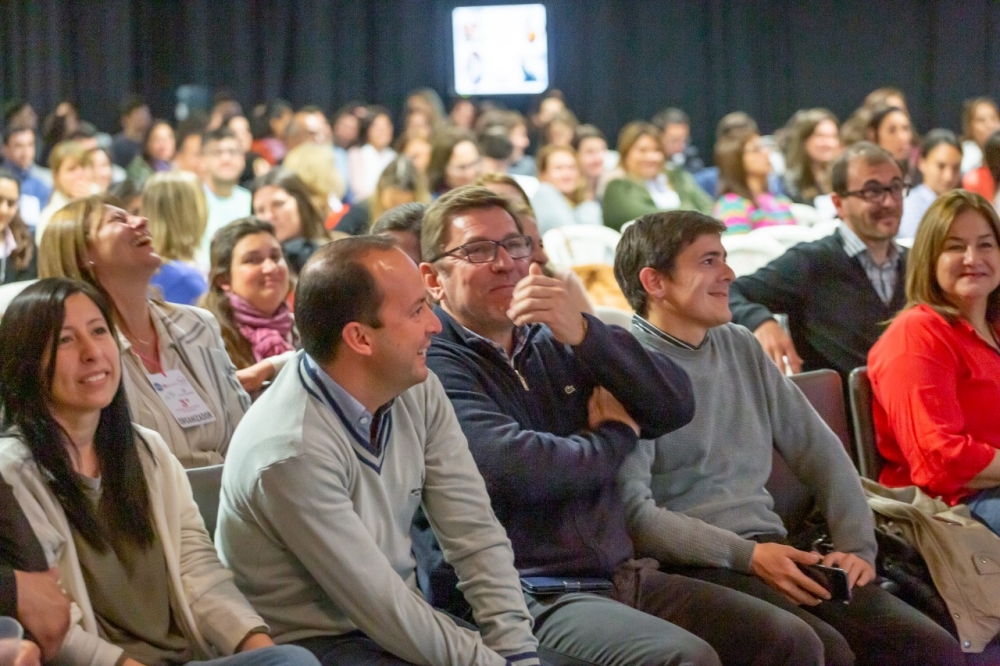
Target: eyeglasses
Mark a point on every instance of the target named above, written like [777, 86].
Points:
[875, 193]
[485, 251]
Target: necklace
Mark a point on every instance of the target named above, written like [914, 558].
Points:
[149, 361]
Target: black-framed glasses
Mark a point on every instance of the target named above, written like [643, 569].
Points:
[874, 193]
[485, 251]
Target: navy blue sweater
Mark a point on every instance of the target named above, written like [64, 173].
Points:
[550, 477]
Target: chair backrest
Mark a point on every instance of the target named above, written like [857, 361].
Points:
[8, 292]
[745, 253]
[804, 214]
[613, 316]
[824, 390]
[789, 235]
[859, 387]
[206, 485]
[578, 244]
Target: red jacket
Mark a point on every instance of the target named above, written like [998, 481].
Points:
[936, 388]
[980, 181]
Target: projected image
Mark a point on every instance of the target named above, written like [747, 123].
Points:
[500, 50]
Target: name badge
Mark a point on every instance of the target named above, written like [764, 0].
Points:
[181, 399]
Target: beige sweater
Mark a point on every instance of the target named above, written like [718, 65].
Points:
[210, 611]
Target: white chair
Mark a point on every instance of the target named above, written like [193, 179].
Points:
[581, 244]
[788, 235]
[825, 228]
[805, 215]
[8, 292]
[905, 242]
[613, 316]
[745, 253]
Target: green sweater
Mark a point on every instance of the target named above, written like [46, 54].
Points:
[627, 198]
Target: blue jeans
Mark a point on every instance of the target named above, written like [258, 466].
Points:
[985, 507]
[279, 655]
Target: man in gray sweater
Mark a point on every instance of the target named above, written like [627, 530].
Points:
[327, 468]
[696, 497]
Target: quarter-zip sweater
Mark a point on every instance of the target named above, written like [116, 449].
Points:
[551, 478]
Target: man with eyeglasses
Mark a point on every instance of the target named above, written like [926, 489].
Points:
[551, 401]
[222, 160]
[839, 290]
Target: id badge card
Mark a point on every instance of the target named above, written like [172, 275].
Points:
[181, 399]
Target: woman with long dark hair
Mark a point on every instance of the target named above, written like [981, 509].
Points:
[18, 255]
[107, 501]
[283, 199]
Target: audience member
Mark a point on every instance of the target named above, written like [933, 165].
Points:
[696, 497]
[402, 223]
[455, 161]
[178, 377]
[838, 290]
[400, 183]
[19, 158]
[135, 121]
[100, 170]
[254, 164]
[675, 137]
[187, 156]
[935, 372]
[415, 148]
[222, 161]
[158, 148]
[855, 127]
[745, 203]
[18, 255]
[174, 205]
[463, 114]
[559, 200]
[60, 125]
[316, 165]
[114, 505]
[69, 181]
[940, 168]
[733, 123]
[281, 198]
[19, 112]
[127, 196]
[365, 163]
[307, 125]
[331, 464]
[813, 145]
[551, 402]
[592, 149]
[983, 180]
[495, 148]
[269, 122]
[426, 100]
[980, 118]
[560, 129]
[29, 590]
[890, 128]
[249, 287]
[646, 185]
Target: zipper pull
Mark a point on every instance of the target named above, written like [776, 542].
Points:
[521, 377]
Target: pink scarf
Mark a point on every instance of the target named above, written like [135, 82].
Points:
[269, 336]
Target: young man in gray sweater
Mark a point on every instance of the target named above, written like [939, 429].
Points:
[696, 497]
[326, 470]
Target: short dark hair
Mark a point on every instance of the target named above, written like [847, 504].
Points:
[654, 241]
[935, 138]
[991, 155]
[494, 142]
[670, 116]
[436, 228]
[871, 153]
[584, 132]
[130, 104]
[16, 129]
[406, 217]
[335, 288]
[737, 121]
[217, 134]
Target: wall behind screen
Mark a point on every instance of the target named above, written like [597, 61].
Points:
[615, 60]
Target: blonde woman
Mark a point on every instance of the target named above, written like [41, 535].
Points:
[400, 183]
[168, 351]
[69, 181]
[174, 204]
[316, 165]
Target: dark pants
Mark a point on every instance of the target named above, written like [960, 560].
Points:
[654, 618]
[875, 628]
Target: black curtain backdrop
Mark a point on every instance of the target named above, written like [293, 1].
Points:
[615, 60]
